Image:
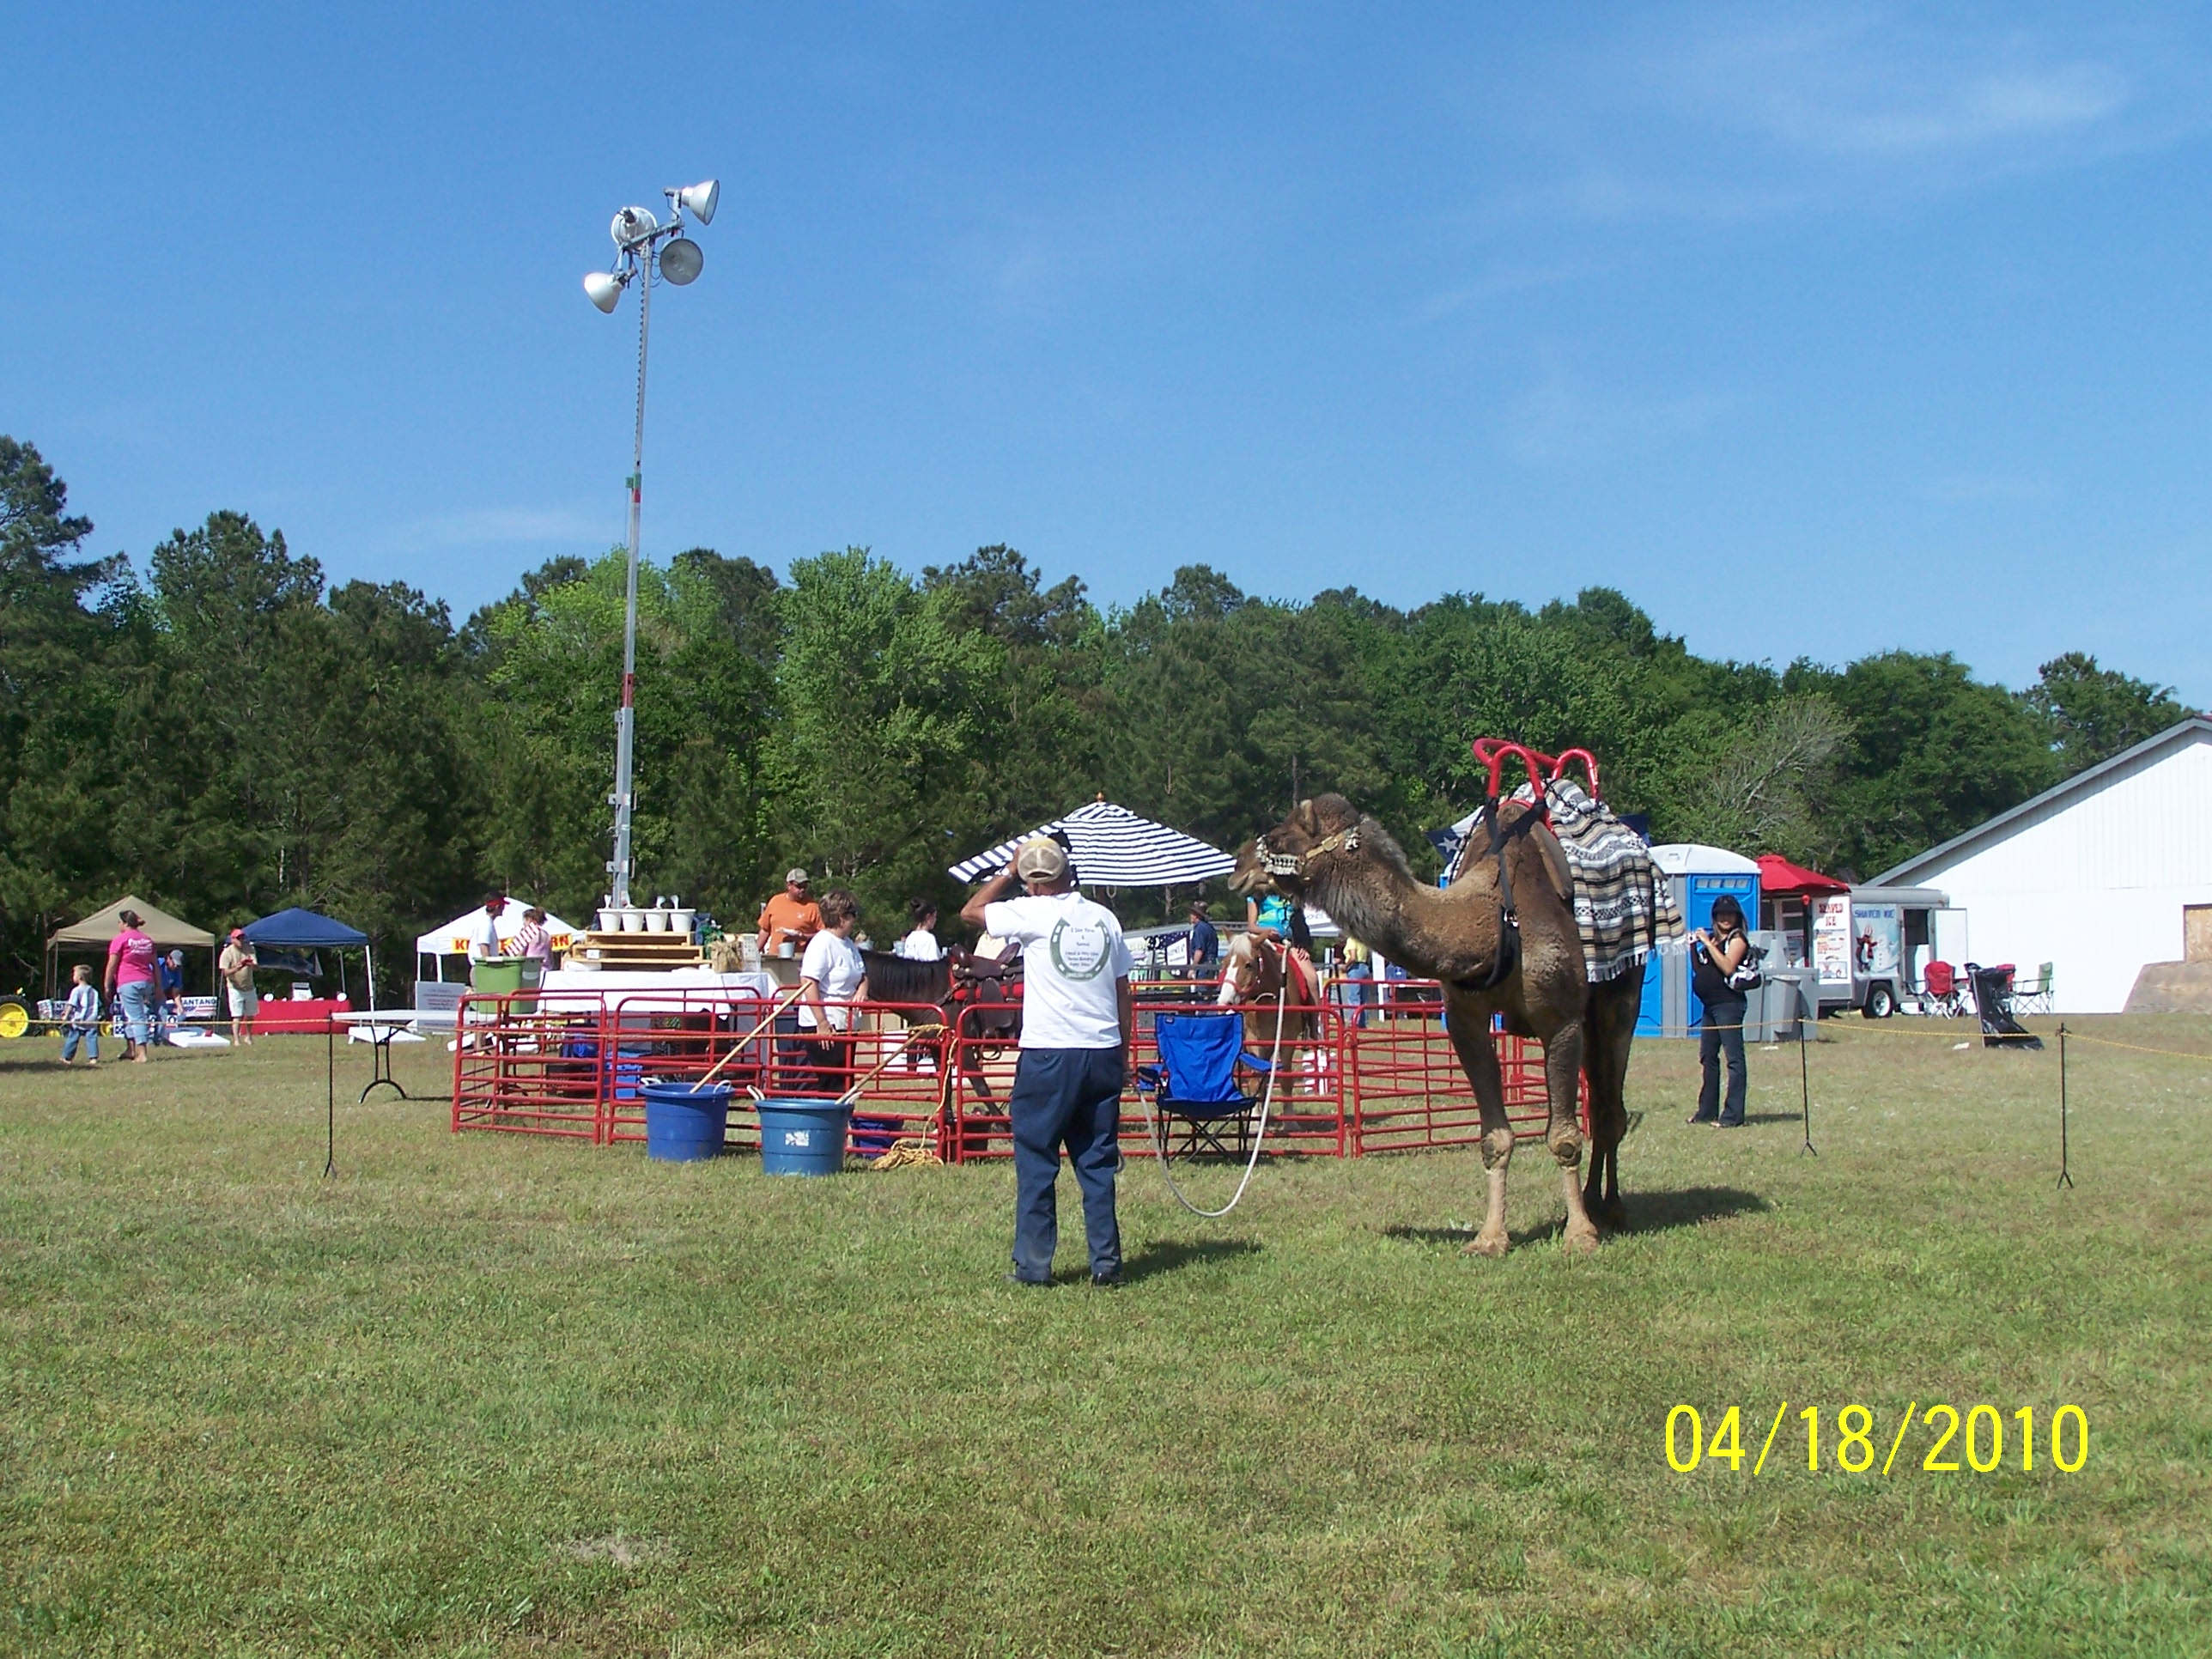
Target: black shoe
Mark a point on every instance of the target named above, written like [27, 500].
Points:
[1017, 1278]
[1106, 1281]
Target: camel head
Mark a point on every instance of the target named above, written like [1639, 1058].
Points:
[1324, 825]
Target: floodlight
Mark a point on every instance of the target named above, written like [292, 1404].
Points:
[680, 260]
[644, 242]
[602, 289]
[631, 223]
[701, 199]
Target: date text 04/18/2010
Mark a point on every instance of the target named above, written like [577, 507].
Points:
[1949, 1441]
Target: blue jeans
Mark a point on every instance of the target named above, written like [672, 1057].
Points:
[86, 1035]
[1068, 1097]
[135, 1007]
[1720, 1031]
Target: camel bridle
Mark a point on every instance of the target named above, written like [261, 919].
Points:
[1294, 864]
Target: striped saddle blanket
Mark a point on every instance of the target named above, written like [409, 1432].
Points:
[1623, 909]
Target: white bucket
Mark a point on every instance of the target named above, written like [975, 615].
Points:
[610, 921]
[679, 921]
[633, 921]
[656, 921]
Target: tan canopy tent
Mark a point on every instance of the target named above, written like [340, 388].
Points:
[95, 930]
[102, 926]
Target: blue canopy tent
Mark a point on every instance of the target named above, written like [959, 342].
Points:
[310, 930]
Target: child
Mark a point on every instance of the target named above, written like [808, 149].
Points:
[81, 1021]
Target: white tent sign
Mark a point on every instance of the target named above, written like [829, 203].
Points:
[454, 938]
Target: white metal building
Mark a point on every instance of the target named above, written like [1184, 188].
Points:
[2092, 876]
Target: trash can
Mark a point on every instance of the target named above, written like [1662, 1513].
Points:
[1789, 995]
[684, 1122]
[505, 975]
[802, 1137]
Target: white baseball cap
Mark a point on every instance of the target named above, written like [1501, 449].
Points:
[1041, 858]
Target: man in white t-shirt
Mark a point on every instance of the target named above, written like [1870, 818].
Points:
[1077, 1023]
[483, 942]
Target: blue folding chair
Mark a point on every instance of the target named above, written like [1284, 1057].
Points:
[1194, 1085]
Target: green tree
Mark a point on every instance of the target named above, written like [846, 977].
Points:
[1933, 752]
[57, 726]
[2094, 712]
[885, 701]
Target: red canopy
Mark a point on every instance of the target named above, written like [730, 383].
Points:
[1777, 875]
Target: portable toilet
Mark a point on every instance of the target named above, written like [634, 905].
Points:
[1698, 875]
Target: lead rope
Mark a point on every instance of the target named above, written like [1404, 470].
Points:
[1267, 1104]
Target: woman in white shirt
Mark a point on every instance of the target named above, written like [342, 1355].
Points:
[920, 945]
[830, 976]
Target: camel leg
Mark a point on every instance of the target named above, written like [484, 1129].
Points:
[1563, 1065]
[1478, 1057]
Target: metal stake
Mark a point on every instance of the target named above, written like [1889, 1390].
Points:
[1805, 1087]
[2065, 1179]
[329, 1101]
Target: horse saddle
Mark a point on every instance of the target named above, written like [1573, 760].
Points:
[981, 990]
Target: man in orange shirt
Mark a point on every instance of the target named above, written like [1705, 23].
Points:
[791, 914]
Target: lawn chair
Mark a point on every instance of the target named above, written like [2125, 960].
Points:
[1941, 994]
[1194, 1085]
[2034, 997]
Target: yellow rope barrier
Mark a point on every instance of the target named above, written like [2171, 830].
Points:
[1871, 1028]
[2137, 1048]
[1969, 1031]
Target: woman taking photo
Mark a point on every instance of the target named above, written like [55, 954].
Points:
[1715, 955]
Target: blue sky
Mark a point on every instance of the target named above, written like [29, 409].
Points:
[1817, 330]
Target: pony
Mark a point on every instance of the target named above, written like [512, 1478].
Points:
[969, 993]
[1261, 975]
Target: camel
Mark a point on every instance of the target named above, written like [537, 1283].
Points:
[1253, 980]
[1511, 949]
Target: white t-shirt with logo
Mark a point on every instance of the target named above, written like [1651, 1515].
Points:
[1072, 955]
[834, 963]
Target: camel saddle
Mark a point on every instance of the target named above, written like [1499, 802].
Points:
[1623, 910]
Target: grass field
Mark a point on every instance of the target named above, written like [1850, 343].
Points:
[483, 1395]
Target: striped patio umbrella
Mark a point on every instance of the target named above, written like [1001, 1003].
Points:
[1114, 847]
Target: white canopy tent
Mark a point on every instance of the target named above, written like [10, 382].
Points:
[453, 939]
[1115, 847]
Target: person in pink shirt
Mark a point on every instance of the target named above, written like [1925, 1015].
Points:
[531, 938]
[131, 985]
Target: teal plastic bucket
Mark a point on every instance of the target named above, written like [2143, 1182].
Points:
[682, 1123]
[802, 1137]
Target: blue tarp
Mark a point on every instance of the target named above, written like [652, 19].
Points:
[304, 930]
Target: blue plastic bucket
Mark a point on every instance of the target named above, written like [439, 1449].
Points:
[681, 1123]
[802, 1137]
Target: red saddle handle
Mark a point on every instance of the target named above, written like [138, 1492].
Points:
[1493, 752]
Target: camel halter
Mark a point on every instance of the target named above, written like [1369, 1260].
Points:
[1294, 864]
